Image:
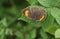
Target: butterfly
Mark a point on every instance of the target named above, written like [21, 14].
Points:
[34, 13]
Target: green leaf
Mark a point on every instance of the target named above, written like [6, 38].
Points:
[48, 21]
[47, 3]
[32, 2]
[33, 33]
[43, 34]
[55, 12]
[3, 23]
[27, 36]
[57, 33]
[52, 30]
[11, 14]
[8, 31]
[57, 3]
[19, 35]
[2, 34]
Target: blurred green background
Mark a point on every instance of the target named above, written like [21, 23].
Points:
[14, 25]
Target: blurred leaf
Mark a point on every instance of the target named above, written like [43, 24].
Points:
[18, 26]
[57, 3]
[2, 34]
[32, 2]
[52, 30]
[8, 31]
[11, 14]
[3, 22]
[19, 35]
[48, 21]
[33, 33]
[47, 3]
[43, 34]
[27, 36]
[55, 12]
[57, 33]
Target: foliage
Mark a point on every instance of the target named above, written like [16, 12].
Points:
[15, 25]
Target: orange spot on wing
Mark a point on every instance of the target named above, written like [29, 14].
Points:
[26, 12]
[42, 18]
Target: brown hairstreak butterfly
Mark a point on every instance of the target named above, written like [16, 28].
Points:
[35, 13]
